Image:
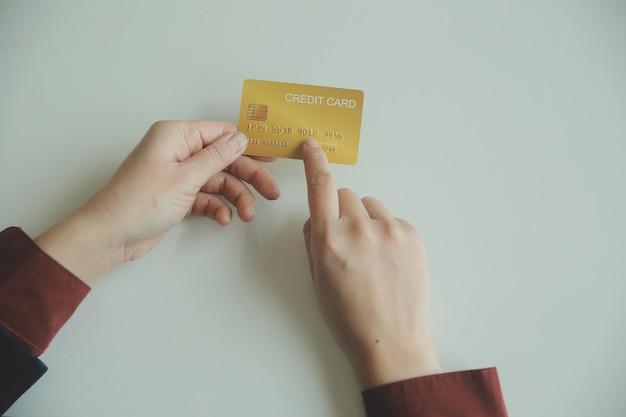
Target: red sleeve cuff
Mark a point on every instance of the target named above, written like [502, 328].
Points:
[457, 394]
[37, 294]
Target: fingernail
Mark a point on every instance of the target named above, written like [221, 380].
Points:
[237, 142]
[311, 143]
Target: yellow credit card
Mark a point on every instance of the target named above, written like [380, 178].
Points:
[278, 117]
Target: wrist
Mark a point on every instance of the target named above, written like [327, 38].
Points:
[387, 363]
[85, 243]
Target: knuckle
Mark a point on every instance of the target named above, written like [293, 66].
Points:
[160, 124]
[362, 231]
[218, 154]
[165, 129]
[306, 229]
[393, 231]
[322, 180]
[330, 246]
[211, 208]
[258, 177]
[156, 124]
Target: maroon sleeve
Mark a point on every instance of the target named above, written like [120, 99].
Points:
[37, 294]
[457, 394]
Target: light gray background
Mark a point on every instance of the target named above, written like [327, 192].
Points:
[496, 127]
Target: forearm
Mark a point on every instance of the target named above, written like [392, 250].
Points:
[83, 243]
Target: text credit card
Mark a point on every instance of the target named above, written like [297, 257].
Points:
[278, 117]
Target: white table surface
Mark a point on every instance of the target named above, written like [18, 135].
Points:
[498, 128]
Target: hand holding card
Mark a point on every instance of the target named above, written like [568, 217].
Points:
[278, 117]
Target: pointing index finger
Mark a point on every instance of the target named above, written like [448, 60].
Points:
[323, 198]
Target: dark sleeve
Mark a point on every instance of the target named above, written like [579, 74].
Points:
[37, 297]
[457, 394]
[19, 370]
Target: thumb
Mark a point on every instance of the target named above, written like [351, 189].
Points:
[215, 157]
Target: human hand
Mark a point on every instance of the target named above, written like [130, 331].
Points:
[370, 276]
[179, 168]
